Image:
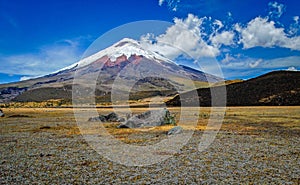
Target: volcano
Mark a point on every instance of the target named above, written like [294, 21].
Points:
[124, 66]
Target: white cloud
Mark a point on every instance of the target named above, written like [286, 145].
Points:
[277, 63]
[284, 62]
[160, 2]
[292, 68]
[172, 4]
[296, 19]
[255, 63]
[228, 58]
[48, 59]
[205, 37]
[23, 78]
[294, 27]
[276, 9]
[262, 32]
[241, 67]
[219, 24]
[186, 36]
[224, 38]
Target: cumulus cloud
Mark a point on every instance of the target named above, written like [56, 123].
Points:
[208, 38]
[262, 32]
[48, 59]
[186, 36]
[223, 38]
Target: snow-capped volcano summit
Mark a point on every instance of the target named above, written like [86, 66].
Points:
[130, 47]
[125, 47]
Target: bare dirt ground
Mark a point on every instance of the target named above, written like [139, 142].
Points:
[256, 145]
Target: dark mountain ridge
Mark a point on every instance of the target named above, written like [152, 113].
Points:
[278, 88]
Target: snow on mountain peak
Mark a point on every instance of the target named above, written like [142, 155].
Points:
[126, 41]
[127, 47]
[130, 47]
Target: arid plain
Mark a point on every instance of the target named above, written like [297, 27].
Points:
[255, 145]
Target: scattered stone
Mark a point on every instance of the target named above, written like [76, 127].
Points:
[1, 113]
[45, 127]
[175, 130]
[112, 117]
[45, 155]
[149, 119]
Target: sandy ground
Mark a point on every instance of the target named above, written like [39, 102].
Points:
[255, 145]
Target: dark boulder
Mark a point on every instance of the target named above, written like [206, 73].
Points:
[112, 117]
[149, 119]
[175, 130]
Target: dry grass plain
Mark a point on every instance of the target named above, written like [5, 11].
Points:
[255, 145]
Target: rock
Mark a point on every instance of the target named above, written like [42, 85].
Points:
[121, 120]
[99, 118]
[111, 117]
[175, 130]
[1, 113]
[45, 127]
[149, 119]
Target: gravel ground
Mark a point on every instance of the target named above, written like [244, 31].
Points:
[41, 156]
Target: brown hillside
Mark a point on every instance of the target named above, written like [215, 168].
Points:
[275, 88]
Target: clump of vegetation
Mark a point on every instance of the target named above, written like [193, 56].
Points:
[169, 119]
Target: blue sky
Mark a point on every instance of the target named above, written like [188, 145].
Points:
[247, 38]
